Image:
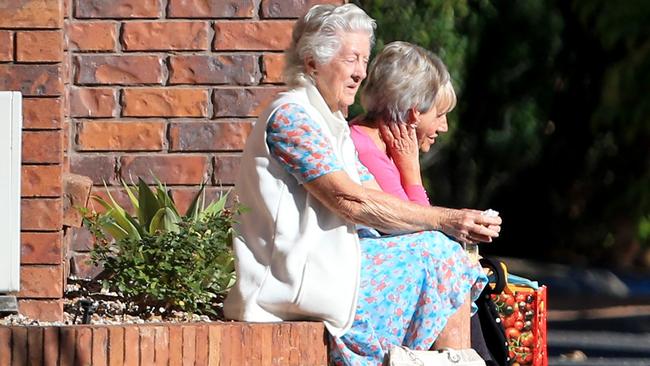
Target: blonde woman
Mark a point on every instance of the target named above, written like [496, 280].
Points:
[407, 96]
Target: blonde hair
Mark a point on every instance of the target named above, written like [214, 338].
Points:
[318, 34]
[445, 98]
[404, 76]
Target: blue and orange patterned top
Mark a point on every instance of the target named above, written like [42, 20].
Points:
[301, 147]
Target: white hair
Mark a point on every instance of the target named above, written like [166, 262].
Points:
[405, 76]
[318, 35]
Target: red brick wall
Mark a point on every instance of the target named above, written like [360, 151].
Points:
[31, 61]
[170, 87]
[121, 88]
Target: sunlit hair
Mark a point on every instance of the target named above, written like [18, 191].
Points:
[446, 98]
[404, 76]
[318, 34]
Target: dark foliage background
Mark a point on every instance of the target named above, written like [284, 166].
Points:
[552, 128]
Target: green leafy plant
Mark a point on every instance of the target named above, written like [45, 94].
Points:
[160, 260]
[155, 211]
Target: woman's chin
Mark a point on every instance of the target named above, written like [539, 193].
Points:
[425, 146]
[346, 102]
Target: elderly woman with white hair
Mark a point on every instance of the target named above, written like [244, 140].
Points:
[298, 251]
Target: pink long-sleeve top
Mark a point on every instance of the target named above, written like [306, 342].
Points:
[382, 167]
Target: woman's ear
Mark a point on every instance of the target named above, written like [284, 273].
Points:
[413, 116]
[310, 65]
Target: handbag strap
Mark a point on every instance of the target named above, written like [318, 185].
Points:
[412, 356]
[452, 355]
[500, 275]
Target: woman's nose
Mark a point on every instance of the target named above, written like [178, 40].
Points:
[443, 126]
[359, 72]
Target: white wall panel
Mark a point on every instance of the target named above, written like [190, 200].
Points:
[10, 150]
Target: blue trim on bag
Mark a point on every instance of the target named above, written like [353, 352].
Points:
[517, 280]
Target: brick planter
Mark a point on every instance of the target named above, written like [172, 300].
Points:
[221, 343]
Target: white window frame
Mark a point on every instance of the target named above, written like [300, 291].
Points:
[10, 159]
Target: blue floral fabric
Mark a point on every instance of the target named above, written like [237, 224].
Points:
[410, 284]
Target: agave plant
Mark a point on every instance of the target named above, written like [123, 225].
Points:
[160, 259]
[155, 211]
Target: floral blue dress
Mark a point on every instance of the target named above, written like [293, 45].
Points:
[410, 284]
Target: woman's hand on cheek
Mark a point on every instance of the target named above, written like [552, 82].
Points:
[402, 146]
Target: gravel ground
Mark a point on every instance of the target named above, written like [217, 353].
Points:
[106, 308]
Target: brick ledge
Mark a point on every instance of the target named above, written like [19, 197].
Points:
[218, 343]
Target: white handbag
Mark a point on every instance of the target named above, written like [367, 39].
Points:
[404, 356]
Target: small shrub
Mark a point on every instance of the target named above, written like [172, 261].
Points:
[160, 260]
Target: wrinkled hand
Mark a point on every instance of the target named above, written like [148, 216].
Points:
[401, 145]
[469, 226]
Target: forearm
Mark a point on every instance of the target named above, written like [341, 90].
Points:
[375, 208]
[392, 215]
[410, 174]
[417, 194]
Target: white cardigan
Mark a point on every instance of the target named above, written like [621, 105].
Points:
[295, 258]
